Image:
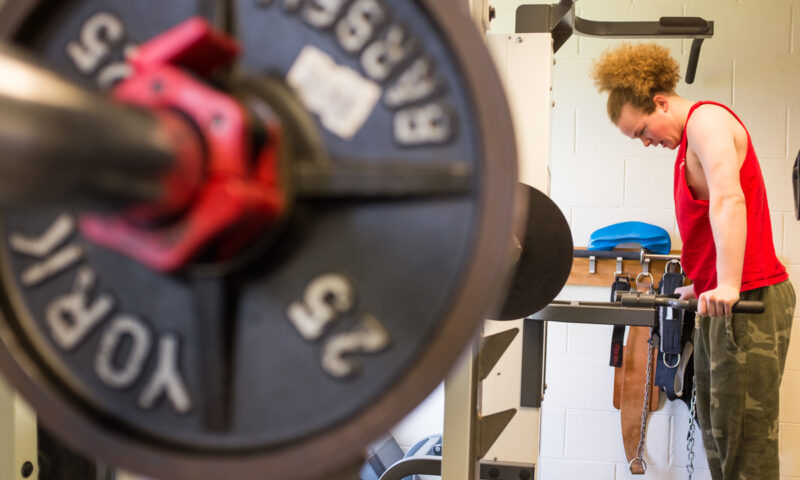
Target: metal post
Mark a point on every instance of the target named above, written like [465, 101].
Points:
[459, 441]
[18, 440]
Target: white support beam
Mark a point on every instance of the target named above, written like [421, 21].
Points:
[18, 439]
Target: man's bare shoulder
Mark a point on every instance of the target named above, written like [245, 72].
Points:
[709, 112]
[713, 121]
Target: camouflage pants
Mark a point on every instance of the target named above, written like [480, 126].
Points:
[739, 364]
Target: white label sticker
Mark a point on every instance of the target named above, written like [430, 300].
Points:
[339, 95]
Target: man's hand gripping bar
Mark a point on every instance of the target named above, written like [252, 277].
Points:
[646, 300]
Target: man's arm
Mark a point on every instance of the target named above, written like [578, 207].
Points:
[711, 137]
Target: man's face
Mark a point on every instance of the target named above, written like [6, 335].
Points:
[654, 129]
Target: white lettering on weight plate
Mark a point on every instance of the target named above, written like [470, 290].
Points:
[116, 372]
[166, 379]
[46, 247]
[326, 300]
[72, 316]
[337, 94]
[339, 353]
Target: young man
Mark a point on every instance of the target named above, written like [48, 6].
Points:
[728, 252]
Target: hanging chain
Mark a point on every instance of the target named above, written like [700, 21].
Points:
[690, 435]
[646, 406]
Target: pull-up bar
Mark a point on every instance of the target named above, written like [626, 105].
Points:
[560, 20]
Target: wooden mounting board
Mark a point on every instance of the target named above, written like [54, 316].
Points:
[606, 267]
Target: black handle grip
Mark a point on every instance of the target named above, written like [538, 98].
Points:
[694, 56]
[683, 22]
[742, 306]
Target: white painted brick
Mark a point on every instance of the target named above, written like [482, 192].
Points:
[735, 29]
[793, 143]
[793, 358]
[678, 456]
[553, 469]
[585, 293]
[768, 127]
[698, 474]
[572, 85]
[791, 239]
[713, 80]
[796, 30]
[777, 230]
[556, 340]
[794, 277]
[790, 453]
[598, 436]
[587, 220]
[656, 473]
[790, 397]
[505, 16]
[577, 99]
[752, 73]
[594, 435]
[677, 243]
[672, 408]
[715, 2]
[579, 105]
[590, 342]
[657, 441]
[579, 384]
[567, 212]
[588, 181]
[598, 136]
[553, 424]
[648, 181]
[659, 473]
[562, 133]
[426, 419]
[778, 180]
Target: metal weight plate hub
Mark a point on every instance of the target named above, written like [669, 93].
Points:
[402, 180]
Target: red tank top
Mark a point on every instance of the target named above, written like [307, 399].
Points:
[698, 256]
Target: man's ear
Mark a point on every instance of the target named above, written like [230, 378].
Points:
[661, 102]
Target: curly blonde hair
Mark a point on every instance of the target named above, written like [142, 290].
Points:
[634, 74]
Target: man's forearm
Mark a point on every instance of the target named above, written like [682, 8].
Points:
[728, 218]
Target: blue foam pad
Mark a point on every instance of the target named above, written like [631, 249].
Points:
[651, 237]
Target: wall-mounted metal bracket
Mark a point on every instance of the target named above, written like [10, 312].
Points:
[642, 256]
[560, 20]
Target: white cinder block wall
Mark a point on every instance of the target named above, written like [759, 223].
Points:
[600, 177]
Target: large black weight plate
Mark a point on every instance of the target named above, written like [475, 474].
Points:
[545, 262]
[140, 385]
